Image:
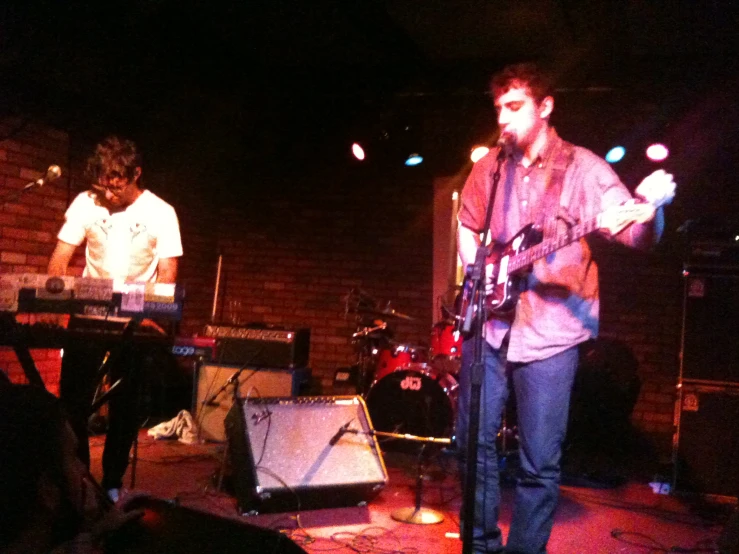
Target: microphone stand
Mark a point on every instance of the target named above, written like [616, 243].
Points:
[235, 402]
[475, 320]
[414, 514]
[233, 379]
[477, 277]
[14, 195]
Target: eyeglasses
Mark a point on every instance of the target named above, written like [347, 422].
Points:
[120, 185]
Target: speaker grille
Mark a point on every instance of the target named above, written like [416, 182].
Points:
[283, 456]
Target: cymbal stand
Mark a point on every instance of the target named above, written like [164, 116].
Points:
[506, 434]
[365, 355]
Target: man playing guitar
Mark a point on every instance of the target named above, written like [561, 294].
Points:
[536, 320]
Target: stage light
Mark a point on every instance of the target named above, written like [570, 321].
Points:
[615, 154]
[657, 152]
[358, 151]
[478, 152]
[414, 159]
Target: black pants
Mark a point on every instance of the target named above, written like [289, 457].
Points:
[79, 379]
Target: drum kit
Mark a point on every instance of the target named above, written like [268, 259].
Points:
[409, 388]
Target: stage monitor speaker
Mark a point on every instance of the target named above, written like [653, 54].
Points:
[711, 326]
[210, 412]
[707, 445]
[291, 454]
[167, 528]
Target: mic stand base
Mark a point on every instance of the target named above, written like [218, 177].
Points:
[418, 516]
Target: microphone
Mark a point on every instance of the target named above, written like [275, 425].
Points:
[505, 142]
[505, 139]
[258, 418]
[340, 433]
[53, 173]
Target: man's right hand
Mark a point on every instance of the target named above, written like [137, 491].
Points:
[489, 268]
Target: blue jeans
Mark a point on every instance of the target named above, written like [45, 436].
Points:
[542, 392]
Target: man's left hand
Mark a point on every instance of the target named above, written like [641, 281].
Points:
[658, 188]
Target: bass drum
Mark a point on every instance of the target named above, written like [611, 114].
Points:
[414, 401]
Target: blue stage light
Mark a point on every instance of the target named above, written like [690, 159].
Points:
[414, 159]
[615, 154]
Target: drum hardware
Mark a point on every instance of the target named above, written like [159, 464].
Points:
[373, 338]
[386, 312]
[390, 312]
[359, 302]
[365, 331]
[506, 435]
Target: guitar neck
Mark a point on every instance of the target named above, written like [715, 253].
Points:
[547, 246]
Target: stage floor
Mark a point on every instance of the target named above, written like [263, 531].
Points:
[624, 519]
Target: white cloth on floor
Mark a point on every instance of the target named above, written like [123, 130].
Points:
[182, 426]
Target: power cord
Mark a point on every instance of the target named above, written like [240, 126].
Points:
[656, 546]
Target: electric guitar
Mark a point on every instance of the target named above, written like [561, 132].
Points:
[512, 260]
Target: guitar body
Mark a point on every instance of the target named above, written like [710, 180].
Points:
[507, 285]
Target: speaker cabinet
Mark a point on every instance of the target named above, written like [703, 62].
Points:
[168, 528]
[213, 401]
[711, 326]
[301, 453]
[707, 444]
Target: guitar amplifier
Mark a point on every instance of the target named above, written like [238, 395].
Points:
[706, 444]
[713, 254]
[303, 453]
[257, 346]
[710, 351]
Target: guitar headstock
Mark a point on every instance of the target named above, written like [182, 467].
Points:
[617, 218]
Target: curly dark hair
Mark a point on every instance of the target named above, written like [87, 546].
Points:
[529, 75]
[113, 157]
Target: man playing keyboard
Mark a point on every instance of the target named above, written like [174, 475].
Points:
[130, 234]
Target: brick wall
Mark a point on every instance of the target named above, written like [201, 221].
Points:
[641, 307]
[289, 258]
[29, 221]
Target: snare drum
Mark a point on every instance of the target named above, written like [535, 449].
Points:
[415, 401]
[398, 356]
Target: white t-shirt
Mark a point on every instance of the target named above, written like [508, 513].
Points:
[126, 244]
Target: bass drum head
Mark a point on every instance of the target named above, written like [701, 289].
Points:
[411, 402]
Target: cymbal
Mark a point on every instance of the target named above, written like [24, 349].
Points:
[387, 312]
